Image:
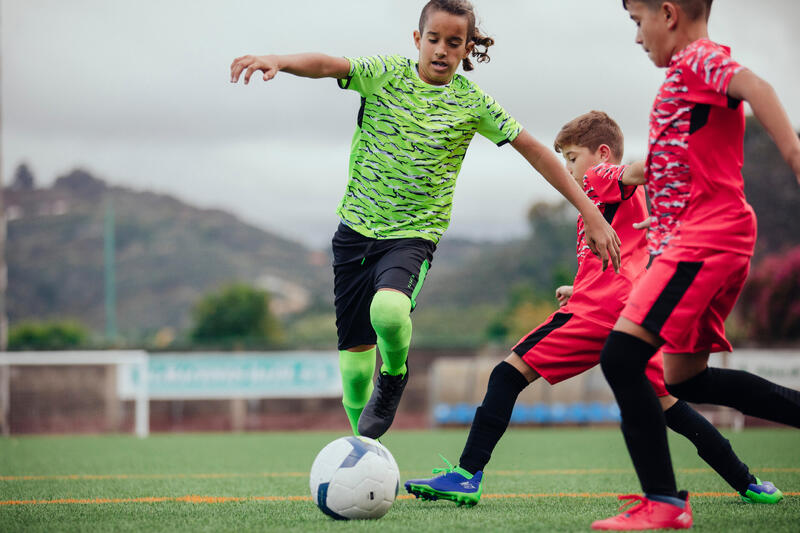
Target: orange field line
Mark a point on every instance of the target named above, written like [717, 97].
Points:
[226, 499]
[73, 477]
[583, 471]
[548, 472]
[186, 499]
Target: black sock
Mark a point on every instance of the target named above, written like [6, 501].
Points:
[492, 417]
[711, 446]
[748, 393]
[623, 361]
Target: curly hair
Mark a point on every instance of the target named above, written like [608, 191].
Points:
[590, 130]
[461, 8]
[693, 8]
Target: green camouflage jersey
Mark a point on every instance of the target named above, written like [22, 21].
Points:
[408, 147]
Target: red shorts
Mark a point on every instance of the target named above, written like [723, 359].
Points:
[567, 345]
[685, 297]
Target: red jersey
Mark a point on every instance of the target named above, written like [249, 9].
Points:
[695, 157]
[598, 295]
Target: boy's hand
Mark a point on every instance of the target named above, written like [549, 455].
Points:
[644, 224]
[563, 294]
[600, 237]
[267, 64]
[602, 240]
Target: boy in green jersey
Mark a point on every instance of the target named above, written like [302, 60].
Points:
[415, 123]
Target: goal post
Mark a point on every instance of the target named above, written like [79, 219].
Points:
[137, 359]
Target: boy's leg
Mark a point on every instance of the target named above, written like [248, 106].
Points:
[624, 359]
[719, 280]
[352, 289]
[711, 446]
[562, 347]
[506, 381]
[690, 378]
[462, 484]
[389, 314]
[357, 365]
[716, 450]
[399, 275]
[681, 301]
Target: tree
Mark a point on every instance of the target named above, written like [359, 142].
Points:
[237, 314]
[57, 335]
[525, 310]
[23, 179]
[771, 189]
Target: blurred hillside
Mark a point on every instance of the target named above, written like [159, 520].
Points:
[169, 254]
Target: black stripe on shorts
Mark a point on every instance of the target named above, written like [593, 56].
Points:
[666, 302]
[558, 320]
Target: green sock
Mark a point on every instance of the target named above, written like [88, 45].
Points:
[356, 369]
[389, 316]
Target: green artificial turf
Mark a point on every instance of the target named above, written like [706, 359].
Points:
[541, 480]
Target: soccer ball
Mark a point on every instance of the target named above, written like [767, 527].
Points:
[354, 477]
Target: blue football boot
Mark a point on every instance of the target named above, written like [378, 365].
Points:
[455, 484]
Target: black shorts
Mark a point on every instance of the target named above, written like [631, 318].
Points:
[361, 266]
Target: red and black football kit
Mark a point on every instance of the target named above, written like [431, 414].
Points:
[570, 340]
[704, 230]
[702, 239]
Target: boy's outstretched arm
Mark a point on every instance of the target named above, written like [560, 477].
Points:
[600, 236]
[768, 110]
[310, 65]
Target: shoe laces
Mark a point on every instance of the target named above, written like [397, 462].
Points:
[633, 499]
[450, 468]
[389, 385]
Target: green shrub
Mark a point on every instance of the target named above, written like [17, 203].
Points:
[54, 335]
[236, 315]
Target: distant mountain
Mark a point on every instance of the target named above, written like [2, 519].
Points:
[168, 254]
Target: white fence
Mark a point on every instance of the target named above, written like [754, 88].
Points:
[142, 377]
[452, 381]
[138, 360]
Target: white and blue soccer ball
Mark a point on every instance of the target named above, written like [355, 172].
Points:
[354, 477]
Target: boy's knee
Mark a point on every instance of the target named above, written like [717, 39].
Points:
[624, 357]
[506, 376]
[389, 312]
[613, 364]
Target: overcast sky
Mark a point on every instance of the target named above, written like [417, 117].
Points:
[138, 92]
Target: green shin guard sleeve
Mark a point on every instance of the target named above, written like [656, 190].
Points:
[357, 369]
[389, 314]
